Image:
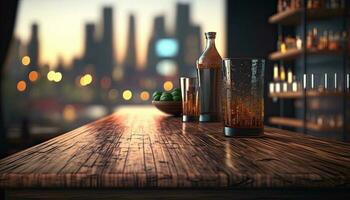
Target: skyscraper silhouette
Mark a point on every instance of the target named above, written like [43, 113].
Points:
[158, 32]
[33, 47]
[13, 59]
[182, 19]
[106, 50]
[181, 32]
[188, 37]
[130, 65]
[90, 44]
[192, 47]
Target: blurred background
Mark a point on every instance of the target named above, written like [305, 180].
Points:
[70, 62]
[66, 63]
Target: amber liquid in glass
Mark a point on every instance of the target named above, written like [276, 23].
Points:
[243, 113]
[190, 104]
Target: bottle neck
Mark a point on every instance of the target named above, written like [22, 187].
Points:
[210, 43]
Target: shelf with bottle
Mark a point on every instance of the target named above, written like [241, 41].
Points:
[318, 104]
[290, 12]
[300, 94]
[322, 123]
[330, 42]
[287, 85]
[284, 84]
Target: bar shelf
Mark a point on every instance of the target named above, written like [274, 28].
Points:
[310, 41]
[294, 16]
[296, 95]
[295, 53]
[299, 123]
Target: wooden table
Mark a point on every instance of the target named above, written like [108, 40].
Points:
[138, 147]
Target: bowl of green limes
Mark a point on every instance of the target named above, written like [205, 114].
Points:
[168, 102]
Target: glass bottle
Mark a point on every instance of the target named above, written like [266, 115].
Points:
[209, 78]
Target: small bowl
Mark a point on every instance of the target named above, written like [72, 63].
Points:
[169, 107]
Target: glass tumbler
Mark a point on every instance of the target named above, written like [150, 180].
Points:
[189, 92]
[242, 96]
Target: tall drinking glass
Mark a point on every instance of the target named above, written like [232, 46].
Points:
[242, 96]
[189, 92]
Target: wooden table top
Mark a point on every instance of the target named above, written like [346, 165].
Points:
[138, 147]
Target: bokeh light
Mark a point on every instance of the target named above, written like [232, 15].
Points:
[54, 76]
[51, 75]
[86, 80]
[167, 67]
[69, 113]
[144, 96]
[57, 77]
[33, 76]
[26, 60]
[127, 95]
[167, 47]
[82, 81]
[168, 85]
[21, 86]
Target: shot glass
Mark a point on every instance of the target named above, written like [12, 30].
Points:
[189, 92]
[242, 96]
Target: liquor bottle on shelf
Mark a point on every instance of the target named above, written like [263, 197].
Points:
[309, 4]
[279, 42]
[334, 40]
[299, 43]
[337, 87]
[316, 4]
[325, 86]
[276, 78]
[280, 6]
[272, 85]
[315, 38]
[312, 81]
[309, 40]
[323, 41]
[348, 83]
[275, 72]
[295, 86]
[283, 79]
[284, 5]
[290, 42]
[209, 77]
[289, 80]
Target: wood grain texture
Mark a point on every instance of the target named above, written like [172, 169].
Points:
[141, 148]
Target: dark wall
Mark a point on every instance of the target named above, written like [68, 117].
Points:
[250, 35]
[7, 19]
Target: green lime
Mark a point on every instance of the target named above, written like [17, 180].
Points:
[176, 93]
[166, 94]
[177, 98]
[166, 97]
[156, 93]
[156, 97]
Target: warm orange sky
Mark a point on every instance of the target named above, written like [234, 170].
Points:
[61, 23]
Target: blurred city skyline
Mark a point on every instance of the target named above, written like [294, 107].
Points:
[62, 25]
[64, 69]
